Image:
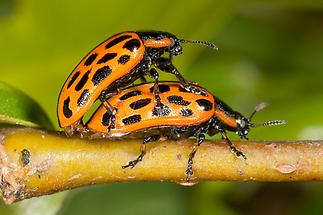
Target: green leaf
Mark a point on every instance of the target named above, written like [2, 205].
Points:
[19, 109]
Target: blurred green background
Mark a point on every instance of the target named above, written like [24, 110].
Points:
[268, 51]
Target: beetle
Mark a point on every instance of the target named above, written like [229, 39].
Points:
[183, 115]
[114, 64]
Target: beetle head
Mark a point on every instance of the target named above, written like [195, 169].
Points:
[244, 124]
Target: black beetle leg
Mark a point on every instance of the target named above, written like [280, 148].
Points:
[200, 137]
[168, 67]
[110, 109]
[147, 139]
[143, 79]
[233, 149]
[170, 58]
[154, 74]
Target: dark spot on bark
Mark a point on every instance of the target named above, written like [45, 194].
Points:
[25, 157]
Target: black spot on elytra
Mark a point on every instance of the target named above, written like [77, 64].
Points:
[132, 119]
[90, 59]
[139, 103]
[186, 112]
[182, 89]
[206, 105]
[73, 79]
[178, 100]
[162, 88]
[124, 59]
[107, 57]
[82, 82]
[66, 109]
[25, 157]
[105, 119]
[132, 45]
[161, 111]
[100, 75]
[116, 41]
[130, 94]
[83, 97]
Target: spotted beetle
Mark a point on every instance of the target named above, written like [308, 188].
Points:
[183, 114]
[114, 64]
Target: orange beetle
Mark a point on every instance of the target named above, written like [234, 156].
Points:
[114, 64]
[182, 114]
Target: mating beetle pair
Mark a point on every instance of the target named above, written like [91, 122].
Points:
[174, 110]
[113, 65]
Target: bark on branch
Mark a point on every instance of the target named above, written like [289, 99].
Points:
[35, 162]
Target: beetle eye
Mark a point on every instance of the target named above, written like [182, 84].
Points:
[241, 123]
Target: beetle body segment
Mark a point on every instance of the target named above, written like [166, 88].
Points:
[108, 62]
[136, 110]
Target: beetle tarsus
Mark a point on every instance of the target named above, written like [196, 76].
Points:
[233, 149]
[133, 163]
[200, 137]
[189, 169]
[147, 139]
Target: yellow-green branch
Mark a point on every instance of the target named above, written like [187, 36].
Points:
[35, 162]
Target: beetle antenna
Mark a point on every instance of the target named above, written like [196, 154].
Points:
[206, 43]
[258, 108]
[269, 123]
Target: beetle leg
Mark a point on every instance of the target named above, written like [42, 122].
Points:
[154, 74]
[170, 58]
[233, 149]
[189, 170]
[77, 128]
[108, 93]
[110, 109]
[143, 79]
[168, 67]
[147, 139]
[112, 112]
[165, 65]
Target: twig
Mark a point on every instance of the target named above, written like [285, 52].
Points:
[35, 162]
